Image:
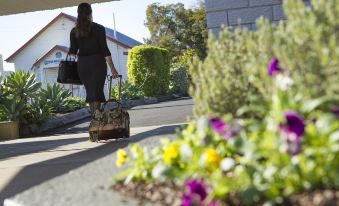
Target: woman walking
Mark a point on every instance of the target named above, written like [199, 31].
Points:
[88, 42]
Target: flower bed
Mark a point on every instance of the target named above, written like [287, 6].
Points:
[277, 147]
[294, 149]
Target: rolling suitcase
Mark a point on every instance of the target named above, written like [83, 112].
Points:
[112, 121]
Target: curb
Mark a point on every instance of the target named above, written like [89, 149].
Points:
[55, 122]
[150, 100]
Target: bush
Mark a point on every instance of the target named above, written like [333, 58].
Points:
[22, 85]
[235, 70]
[220, 84]
[16, 91]
[128, 92]
[149, 69]
[12, 109]
[55, 97]
[179, 80]
[39, 111]
[308, 46]
[74, 104]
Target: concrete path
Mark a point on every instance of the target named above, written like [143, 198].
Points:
[27, 163]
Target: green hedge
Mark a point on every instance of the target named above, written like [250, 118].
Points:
[149, 69]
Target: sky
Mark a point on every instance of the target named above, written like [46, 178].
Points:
[130, 15]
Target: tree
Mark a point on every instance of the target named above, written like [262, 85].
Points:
[177, 29]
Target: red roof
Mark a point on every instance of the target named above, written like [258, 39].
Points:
[71, 18]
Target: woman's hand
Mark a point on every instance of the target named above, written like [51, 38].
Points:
[114, 73]
[111, 65]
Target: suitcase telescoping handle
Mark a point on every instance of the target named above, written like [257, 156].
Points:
[110, 86]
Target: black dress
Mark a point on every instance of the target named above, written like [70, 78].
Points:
[92, 67]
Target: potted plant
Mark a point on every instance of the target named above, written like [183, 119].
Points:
[11, 111]
[15, 93]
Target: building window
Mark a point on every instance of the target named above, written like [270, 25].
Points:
[58, 55]
[125, 53]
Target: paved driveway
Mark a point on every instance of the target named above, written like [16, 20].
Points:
[25, 163]
[164, 113]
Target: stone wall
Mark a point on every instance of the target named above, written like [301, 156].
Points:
[242, 13]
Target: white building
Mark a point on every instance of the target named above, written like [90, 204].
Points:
[3, 72]
[43, 52]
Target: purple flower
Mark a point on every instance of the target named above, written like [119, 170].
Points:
[197, 187]
[335, 111]
[294, 129]
[274, 67]
[294, 124]
[213, 203]
[222, 128]
[187, 200]
[195, 195]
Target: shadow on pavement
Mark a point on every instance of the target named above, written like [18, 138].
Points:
[40, 172]
[16, 149]
[73, 128]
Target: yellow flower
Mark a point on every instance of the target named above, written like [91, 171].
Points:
[122, 158]
[171, 153]
[212, 157]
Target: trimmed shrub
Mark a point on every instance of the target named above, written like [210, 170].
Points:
[149, 69]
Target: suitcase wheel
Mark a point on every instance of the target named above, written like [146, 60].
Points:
[93, 137]
[126, 132]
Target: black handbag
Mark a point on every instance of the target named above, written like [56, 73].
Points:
[68, 71]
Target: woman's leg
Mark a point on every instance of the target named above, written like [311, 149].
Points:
[94, 106]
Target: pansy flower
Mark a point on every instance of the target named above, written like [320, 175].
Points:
[274, 67]
[293, 129]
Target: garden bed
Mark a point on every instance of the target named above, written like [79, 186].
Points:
[266, 132]
[169, 194]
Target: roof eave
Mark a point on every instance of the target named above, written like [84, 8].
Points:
[11, 58]
[48, 53]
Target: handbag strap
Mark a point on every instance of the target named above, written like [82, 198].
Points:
[70, 58]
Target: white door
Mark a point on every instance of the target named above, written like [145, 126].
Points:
[51, 75]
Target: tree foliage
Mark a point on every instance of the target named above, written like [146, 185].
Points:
[177, 29]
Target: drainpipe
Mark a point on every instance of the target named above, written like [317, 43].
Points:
[1, 65]
[116, 38]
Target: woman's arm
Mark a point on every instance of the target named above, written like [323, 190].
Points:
[111, 65]
[106, 52]
[73, 49]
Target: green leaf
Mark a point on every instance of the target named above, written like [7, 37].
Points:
[335, 137]
[324, 123]
[313, 104]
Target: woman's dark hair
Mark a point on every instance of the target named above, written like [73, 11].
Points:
[84, 22]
